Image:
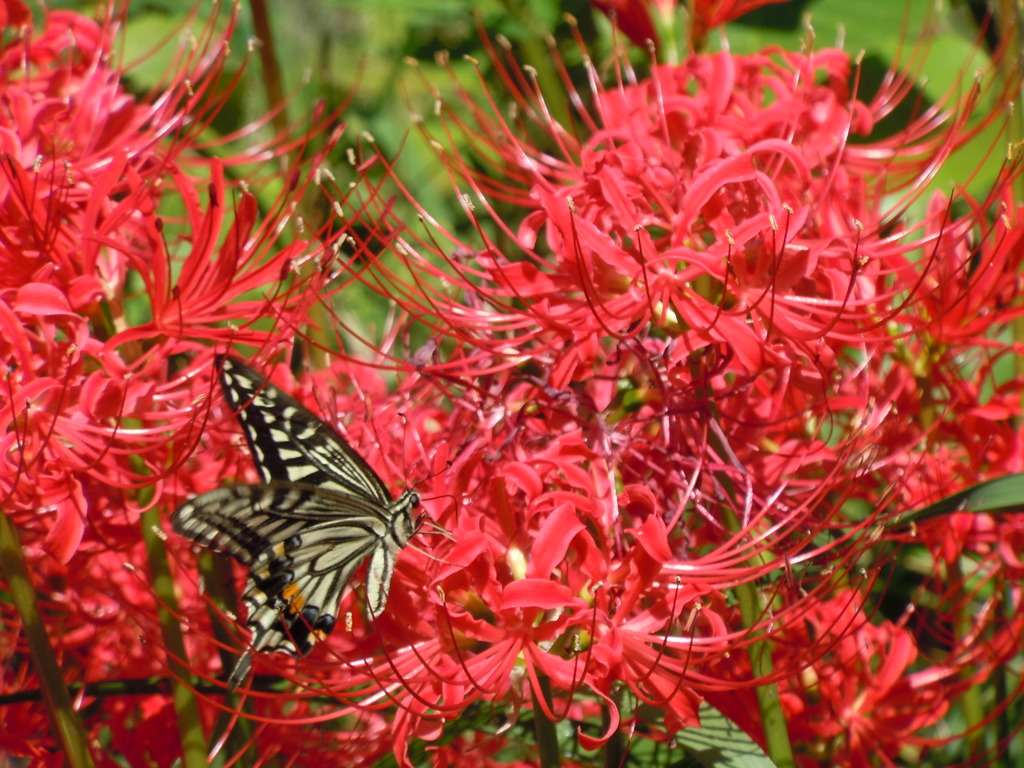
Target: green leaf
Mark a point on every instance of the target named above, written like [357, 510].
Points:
[720, 743]
[1004, 494]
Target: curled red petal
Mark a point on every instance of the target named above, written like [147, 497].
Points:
[653, 537]
[553, 540]
[43, 300]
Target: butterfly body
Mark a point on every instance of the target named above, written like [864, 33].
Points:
[319, 512]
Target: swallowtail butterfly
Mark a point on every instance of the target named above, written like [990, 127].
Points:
[317, 514]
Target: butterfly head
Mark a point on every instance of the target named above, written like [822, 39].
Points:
[405, 522]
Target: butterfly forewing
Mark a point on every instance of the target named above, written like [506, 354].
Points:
[289, 443]
[318, 514]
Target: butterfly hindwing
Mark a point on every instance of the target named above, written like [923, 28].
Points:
[319, 512]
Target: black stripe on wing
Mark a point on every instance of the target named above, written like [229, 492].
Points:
[301, 545]
[319, 513]
[288, 442]
[247, 521]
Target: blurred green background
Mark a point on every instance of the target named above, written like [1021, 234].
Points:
[338, 49]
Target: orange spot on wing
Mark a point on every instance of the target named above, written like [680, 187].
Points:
[295, 600]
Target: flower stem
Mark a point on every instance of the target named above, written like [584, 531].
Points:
[776, 734]
[63, 717]
[752, 611]
[193, 742]
[973, 709]
[267, 51]
[544, 729]
[215, 569]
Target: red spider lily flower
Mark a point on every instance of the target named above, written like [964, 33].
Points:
[634, 17]
[100, 287]
[526, 592]
[77, 221]
[872, 692]
[484, 631]
[674, 388]
[684, 378]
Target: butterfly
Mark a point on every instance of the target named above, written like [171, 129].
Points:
[317, 514]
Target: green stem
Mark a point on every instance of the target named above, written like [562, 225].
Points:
[216, 571]
[193, 741]
[273, 80]
[776, 732]
[614, 749]
[547, 738]
[973, 709]
[752, 611]
[63, 718]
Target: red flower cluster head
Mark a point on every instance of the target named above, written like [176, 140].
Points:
[123, 246]
[696, 361]
[675, 392]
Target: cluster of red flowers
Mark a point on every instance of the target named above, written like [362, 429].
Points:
[703, 358]
[671, 401]
[125, 253]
